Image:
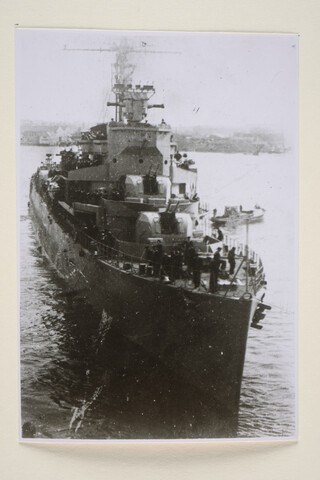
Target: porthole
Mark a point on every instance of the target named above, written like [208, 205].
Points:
[140, 160]
[166, 162]
[114, 160]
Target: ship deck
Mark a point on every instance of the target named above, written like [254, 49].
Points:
[234, 286]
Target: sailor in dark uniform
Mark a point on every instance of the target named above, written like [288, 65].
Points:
[176, 258]
[196, 270]
[232, 260]
[220, 235]
[157, 259]
[189, 254]
[214, 270]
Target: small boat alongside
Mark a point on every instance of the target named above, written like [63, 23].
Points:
[236, 215]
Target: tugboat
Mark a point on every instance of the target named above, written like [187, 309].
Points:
[122, 223]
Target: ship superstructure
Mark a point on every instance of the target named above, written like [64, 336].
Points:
[138, 166]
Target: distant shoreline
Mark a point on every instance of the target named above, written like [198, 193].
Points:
[190, 148]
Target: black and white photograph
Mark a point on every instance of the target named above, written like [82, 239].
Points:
[157, 194]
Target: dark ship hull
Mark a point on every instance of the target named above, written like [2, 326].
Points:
[202, 337]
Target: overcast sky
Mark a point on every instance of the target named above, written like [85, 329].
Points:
[218, 80]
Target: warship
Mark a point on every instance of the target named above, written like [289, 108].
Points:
[121, 220]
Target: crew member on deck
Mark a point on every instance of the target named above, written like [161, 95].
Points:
[220, 235]
[157, 259]
[189, 254]
[176, 257]
[232, 260]
[196, 270]
[214, 270]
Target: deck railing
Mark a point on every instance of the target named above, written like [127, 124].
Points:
[147, 267]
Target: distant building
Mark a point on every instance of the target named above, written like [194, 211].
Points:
[30, 137]
[47, 134]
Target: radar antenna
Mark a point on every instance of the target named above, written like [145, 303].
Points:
[130, 102]
[123, 70]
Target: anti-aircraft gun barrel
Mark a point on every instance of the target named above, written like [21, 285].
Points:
[156, 105]
[115, 104]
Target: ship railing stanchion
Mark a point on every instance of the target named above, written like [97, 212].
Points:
[247, 256]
